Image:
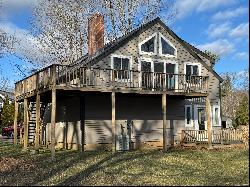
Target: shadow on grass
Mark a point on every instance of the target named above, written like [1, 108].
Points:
[177, 167]
[108, 161]
[43, 167]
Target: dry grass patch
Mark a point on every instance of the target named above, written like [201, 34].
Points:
[177, 167]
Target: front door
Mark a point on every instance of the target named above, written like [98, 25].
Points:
[200, 117]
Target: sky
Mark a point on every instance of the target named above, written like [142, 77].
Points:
[220, 26]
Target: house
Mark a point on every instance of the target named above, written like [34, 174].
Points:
[226, 122]
[137, 92]
[3, 95]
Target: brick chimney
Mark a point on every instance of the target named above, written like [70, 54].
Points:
[95, 33]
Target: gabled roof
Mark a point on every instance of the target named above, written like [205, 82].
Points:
[112, 46]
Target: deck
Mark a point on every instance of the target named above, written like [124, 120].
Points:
[108, 80]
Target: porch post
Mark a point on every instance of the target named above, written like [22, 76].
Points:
[53, 112]
[15, 123]
[26, 125]
[53, 123]
[113, 122]
[82, 121]
[209, 125]
[37, 121]
[164, 121]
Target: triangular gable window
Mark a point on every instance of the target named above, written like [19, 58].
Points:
[148, 46]
[166, 47]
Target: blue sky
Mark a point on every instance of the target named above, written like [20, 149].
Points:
[221, 26]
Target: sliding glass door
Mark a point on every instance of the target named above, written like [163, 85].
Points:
[157, 75]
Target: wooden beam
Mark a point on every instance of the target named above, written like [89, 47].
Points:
[209, 125]
[82, 121]
[53, 123]
[37, 122]
[113, 123]
[53, 112]
[164, 121]
[15, 123]
[26, 124]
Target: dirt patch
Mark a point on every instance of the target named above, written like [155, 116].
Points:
[8, 164]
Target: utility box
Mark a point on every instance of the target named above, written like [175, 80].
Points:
[122, 143]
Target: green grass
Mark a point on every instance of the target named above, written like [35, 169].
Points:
[177, 167]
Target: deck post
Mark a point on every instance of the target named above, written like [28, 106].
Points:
[53, 123]
[164, 121]
[15, 123]
[82, 121]
[37, 122]
[53, 113]
[113, 123]
[209, 125]
[26, 125]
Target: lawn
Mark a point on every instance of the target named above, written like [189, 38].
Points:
[177, 167]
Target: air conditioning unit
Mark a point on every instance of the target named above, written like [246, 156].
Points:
[122, 143]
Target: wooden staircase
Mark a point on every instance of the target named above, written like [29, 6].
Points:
[32, 120]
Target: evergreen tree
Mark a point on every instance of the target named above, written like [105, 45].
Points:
[242, 114]
[8, 113]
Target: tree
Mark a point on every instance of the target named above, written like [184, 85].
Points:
[61, 26]
[228, 84]
[8, 111]
[6, 42]
[214, 56]
[123, 16]
[242, 114]
[232, 92]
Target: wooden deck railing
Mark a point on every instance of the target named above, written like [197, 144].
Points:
[72, 76]
[224, 136]
[40, 79]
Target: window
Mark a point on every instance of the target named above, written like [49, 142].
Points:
[146, 75]
[171, 79]
[216, 115]
[166, 47]
[148, 46]
[192, 70]
[121, 65]
[188, 115]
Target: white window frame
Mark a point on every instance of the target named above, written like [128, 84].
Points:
[130, 65]
[194, 64]
[139, 66]
[160, 46]
[176, 70]
[191, 113]
[196, 124]
[213, 114]
[144, 41]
